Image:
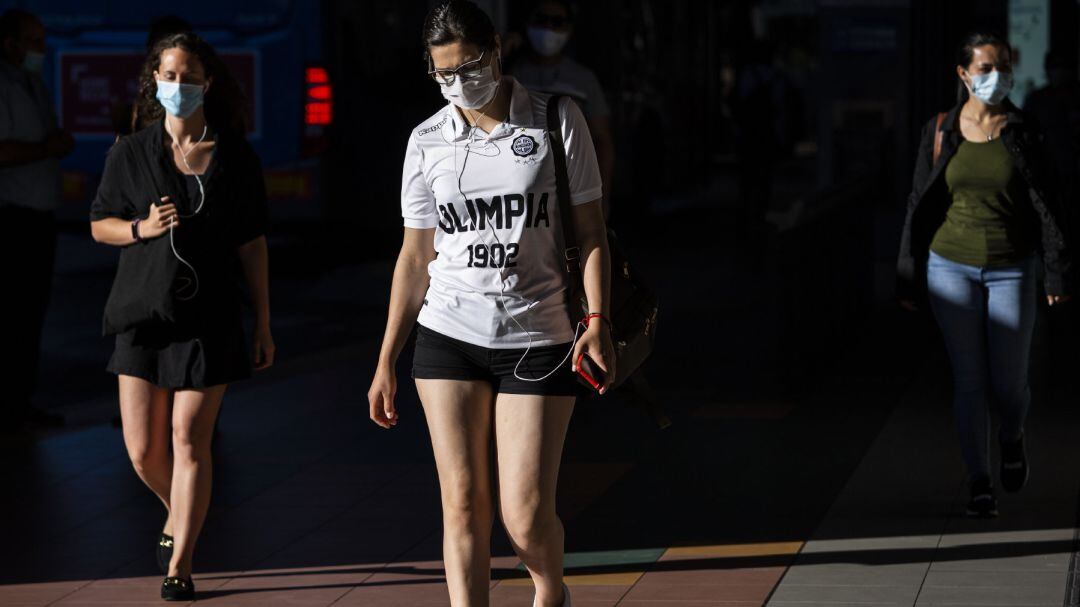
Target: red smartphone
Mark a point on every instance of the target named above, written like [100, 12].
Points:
[589, 372]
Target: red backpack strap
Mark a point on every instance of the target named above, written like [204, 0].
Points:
[938, 136]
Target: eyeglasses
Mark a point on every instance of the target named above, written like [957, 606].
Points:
[467, 71]
[549, 21]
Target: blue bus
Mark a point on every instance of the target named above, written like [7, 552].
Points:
[273, 47]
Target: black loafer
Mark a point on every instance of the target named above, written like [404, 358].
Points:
[178, 589]
[164, 552]
[983, 503]
[1014, 466]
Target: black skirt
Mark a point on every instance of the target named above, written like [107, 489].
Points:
[175, 357]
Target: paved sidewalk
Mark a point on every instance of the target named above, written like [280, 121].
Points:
[843, 494]
[313, 505]
[896, 536]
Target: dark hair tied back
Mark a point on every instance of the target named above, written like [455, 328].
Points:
[458, 21]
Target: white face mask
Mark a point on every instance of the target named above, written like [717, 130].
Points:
[547, 43]
[474, 93]
[991, 88]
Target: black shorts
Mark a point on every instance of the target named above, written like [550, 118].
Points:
[438, 356]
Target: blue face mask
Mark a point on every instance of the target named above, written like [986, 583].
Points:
[991, 88]
[180, 100]
[33, 62]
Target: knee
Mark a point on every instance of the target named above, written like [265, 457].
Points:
[189, 444]
[466, 509]
[147, 459]
[529, 524]
[1011, 391]
[969, 384]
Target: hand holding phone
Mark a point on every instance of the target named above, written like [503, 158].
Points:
[589, 373]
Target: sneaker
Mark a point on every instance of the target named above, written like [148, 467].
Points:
[983, 504]
[1014, 466]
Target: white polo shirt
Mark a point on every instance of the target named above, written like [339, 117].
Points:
[498, 237]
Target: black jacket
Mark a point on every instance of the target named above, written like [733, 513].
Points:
[929, 201]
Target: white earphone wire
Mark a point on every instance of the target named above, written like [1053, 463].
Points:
[503, 278]
[202, 200]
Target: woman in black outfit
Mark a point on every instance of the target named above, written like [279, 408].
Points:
[190, 177]
[983, 212]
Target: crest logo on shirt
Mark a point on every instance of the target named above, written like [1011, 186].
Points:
[523, 146]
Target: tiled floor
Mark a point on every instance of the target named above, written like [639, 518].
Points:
[894, 536]
[844, 497]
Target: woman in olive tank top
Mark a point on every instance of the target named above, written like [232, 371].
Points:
[981, 216]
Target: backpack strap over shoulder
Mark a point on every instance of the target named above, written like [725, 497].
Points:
[939, 135]
[562, 186]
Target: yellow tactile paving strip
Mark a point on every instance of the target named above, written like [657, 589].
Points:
[733, 550]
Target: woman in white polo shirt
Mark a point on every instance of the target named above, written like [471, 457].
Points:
[480, 271]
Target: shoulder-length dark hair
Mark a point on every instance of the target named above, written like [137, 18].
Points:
[966, 53]
[224, 105]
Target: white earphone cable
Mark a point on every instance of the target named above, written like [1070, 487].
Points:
[202, 199]
[503, 278]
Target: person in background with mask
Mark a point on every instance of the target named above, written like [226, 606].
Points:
[31, 146]
[482, 273]
[189, 149]
[979, 218]
[546, 68]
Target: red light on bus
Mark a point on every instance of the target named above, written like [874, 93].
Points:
[320, 92]
[318, 113]
[317, 75]
[319, 105]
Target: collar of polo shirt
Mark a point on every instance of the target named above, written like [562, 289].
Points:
[521, 115]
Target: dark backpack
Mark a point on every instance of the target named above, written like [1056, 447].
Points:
[634, 305]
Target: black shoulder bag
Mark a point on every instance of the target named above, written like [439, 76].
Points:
[634, 306]
[142, 292]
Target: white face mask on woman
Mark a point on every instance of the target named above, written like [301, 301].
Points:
[547, 42]
[991, 88]
[474, 93]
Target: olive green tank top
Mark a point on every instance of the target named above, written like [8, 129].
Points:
[990, 221]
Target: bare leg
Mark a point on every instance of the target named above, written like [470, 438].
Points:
[145, 411]
[529, 435]
[459, 421]
[194, 413]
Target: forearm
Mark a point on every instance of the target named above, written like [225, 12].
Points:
[596, 274]
[406, 298]
[255, 260]
[14, 153]
[595, 256]
[112, 231]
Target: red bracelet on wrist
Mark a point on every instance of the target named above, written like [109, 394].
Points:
[592, 315]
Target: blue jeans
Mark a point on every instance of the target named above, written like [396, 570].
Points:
[987, 316]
